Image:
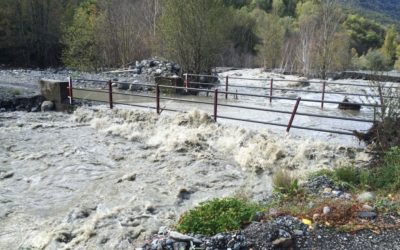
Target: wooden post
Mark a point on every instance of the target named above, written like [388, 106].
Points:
[271, 84]
[70, 90]
[110, 95]
[215, 104]
[293, 114]
[323, 94]
[158, 99]
[226, 87]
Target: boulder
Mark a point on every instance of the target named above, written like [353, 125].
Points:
[347, 105]
[123, 86]
[47, 106]
[301, 83]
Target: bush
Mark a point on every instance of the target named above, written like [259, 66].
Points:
[218, 215]
[387, 176]
[284, 183]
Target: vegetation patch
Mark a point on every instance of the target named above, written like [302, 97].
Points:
[384, 177]
[218, 215]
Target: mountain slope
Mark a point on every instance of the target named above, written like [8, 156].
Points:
[385, 11]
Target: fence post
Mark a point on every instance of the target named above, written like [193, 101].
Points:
[70, 90]
[226, 87]
[110, 95]
[158, 99]
[215, 104]
[323, 94]
[271, 84]
[293, 114]
[186, 82]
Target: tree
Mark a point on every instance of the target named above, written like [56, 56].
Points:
[364, 33]
[271, 32]
[195, 32]
[81, 48]
[397, 64]
[307, 24]
[329, 23]
[389, 46]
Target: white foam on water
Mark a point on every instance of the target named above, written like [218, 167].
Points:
[195, 132]
[70, 191]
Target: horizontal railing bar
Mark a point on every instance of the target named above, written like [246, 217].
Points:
[253, 121]
[184, 100]
[201, 75]
[205, 83]
[306, 91]
[90, 80]
[298, 113]
[134, 105]
[85, 99]
[299, 80]
[131, 94]
[289, 98]
[91, 90]
[193, 89]
[136, 83]
[284, 125]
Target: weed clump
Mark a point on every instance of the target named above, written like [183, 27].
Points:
[285, 184]
[217, 215]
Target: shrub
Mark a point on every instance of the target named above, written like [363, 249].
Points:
[285, 183]
[217, 215]
[387, 176]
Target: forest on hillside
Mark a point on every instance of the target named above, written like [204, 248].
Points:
[309, 37]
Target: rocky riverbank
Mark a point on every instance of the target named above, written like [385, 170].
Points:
[348, 222]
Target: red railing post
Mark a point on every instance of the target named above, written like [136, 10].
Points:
[158, 99]
[226, 87]
[293, 114]
[186, 82]
[70, 90]
[323, 94]
[215, 104]
[271, 84]
[110, 95]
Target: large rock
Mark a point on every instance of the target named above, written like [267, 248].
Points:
[47, 106]
[346, 104]
[56, 92]
[123, 86]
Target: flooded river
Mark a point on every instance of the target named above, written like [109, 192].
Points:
[107, 179]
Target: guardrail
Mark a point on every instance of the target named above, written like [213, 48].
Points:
[156, 95]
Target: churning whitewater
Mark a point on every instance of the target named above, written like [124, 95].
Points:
[108, 178]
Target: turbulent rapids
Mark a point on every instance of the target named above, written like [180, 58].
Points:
[109, 178]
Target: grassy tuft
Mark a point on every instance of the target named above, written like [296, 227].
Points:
[284, 183]
[218, 215]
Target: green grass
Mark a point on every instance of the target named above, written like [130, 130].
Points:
[218, 215]
[385, 177]
[285, 184]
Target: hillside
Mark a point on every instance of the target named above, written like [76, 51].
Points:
[384, 11]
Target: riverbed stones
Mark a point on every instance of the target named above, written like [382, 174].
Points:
[367, 215]
[367, 208]
[326, 210]
[181, 237]
[366, 196]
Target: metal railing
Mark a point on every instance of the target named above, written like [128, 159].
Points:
[156, 95]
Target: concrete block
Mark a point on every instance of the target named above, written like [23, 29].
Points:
[55, 91]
